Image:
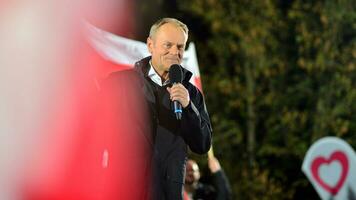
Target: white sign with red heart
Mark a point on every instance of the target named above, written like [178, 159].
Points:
[330, 165]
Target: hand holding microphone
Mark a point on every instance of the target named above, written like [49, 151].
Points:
[178, 93]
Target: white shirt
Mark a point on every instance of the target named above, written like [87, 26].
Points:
[152, 74]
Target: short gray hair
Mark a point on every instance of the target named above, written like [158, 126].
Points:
[163, 21]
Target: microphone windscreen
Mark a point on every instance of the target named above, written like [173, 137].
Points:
[175, 74]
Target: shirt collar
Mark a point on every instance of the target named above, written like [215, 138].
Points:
[152, 74]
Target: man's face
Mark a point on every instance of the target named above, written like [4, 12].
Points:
[167, 46]
[192, 173]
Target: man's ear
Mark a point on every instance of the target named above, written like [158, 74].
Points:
[149, 44]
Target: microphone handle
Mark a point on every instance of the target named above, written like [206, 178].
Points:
[178, 110]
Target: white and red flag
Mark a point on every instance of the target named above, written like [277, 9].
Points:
[125, 52]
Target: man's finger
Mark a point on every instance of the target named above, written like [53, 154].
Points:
[169, 90]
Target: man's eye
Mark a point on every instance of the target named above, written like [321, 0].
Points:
[167, 46]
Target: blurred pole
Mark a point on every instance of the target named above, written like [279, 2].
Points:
[211, 152]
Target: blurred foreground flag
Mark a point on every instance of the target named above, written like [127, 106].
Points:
[63, 136]
[330, 166]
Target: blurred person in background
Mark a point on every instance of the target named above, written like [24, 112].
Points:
[218, 189]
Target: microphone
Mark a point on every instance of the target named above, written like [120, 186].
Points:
[176, 76]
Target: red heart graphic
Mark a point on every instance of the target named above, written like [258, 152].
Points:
[336, 156]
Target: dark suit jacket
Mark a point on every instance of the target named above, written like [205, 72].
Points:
[171, 137]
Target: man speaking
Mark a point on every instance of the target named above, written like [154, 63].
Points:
[172, 128]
